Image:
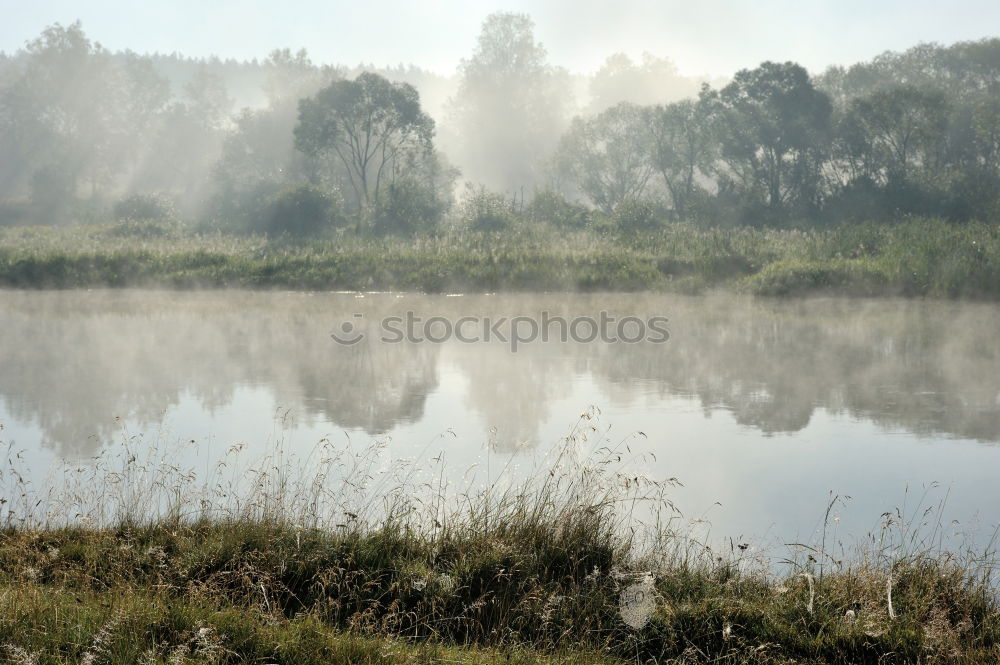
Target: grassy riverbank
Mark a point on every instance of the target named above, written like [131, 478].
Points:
[304, 569]
[522, 590]
[914, 258]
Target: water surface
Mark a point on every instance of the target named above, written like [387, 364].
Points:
[763, 409]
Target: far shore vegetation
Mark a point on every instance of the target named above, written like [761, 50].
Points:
[911, 258]
[121, 169]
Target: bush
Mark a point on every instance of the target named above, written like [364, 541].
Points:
[859, 200]
[552, 207]
[144, 206]
[483, 210]
[245, 209]
[638, 216]
[405, 207]
[305, 210]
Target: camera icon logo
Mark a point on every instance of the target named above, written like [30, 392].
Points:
[348, 333]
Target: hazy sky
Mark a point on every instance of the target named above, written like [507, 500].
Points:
[714, 37]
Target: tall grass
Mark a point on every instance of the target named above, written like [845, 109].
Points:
[913, 258]
[336, 558]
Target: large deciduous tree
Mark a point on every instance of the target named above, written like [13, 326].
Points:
[64, 115]
[682, 148]
[774, 126]
[189, 140]
[606, 156]
[897, 131]
[510, 108]
[370, 127]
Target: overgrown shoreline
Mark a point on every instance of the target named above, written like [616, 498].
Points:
[521, 591]
[915, 258]
[133, 561]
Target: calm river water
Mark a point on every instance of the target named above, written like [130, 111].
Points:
[764, 410]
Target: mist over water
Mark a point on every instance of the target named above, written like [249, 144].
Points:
[648, 332]
[768, 408]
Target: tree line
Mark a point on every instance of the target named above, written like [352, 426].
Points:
[777, 147]
[86, 133]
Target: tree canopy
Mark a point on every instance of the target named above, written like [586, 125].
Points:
[369, 126]
[510, 108]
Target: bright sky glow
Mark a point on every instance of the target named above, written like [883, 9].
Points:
[714, 37]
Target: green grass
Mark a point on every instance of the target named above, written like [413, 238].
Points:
[914, 258]
[261, 592]
[45, 625]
